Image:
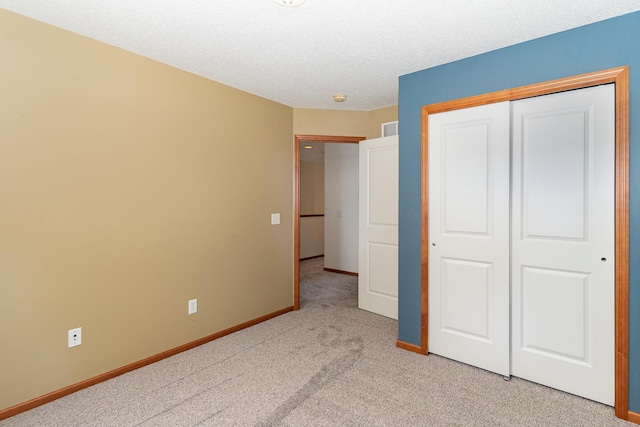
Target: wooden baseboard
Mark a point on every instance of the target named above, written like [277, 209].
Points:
[411, 347]
[333, 270]
[49, 397]
[311, 257]
[634, 417]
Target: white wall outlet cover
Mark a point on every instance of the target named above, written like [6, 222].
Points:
[193, 306]
[275, 218]
[74, 337]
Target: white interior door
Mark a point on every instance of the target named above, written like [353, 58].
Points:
[563, 241]
[469, 236]
[378, 226]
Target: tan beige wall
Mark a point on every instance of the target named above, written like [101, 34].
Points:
[128, 187]
[377, 117]
[311, 188]
[308, 121]
[311, 203]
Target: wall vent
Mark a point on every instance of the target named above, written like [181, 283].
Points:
[390, 129]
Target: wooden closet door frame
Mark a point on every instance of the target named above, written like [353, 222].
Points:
[620, 77]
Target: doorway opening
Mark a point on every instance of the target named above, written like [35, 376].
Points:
[298, 139]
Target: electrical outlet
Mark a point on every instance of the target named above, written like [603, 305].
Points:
[193, 306]
[75, 337]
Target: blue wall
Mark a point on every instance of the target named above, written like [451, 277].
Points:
[606, 44]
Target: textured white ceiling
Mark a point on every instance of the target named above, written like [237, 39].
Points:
[301, 56]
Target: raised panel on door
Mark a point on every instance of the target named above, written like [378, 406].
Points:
[469, 236]
[465, 302]
[378, 226]
[563, 241]
[539, 313]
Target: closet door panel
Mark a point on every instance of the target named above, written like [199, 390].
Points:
[563, 241]
[469, 236]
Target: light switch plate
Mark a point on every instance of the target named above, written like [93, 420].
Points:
[275, 218]
[193, 306]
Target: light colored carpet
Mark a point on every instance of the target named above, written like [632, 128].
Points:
[329, 364]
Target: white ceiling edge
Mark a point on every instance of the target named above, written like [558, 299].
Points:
[302, 56]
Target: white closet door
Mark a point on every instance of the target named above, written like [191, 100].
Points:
[378, 226]
[469, 236]
[563, 241]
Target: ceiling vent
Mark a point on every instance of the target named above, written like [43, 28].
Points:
[389, 129]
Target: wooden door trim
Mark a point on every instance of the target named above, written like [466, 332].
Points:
[619, 76]
[296, 200]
